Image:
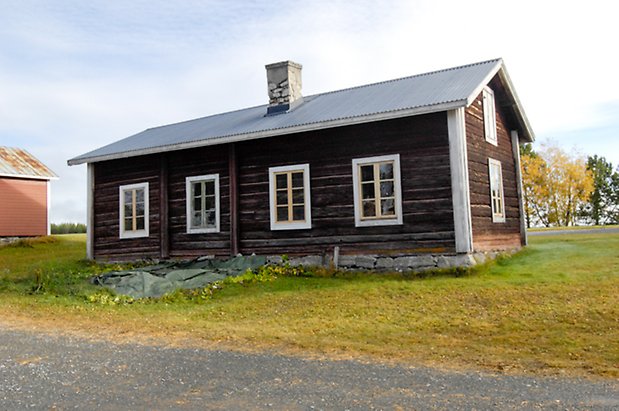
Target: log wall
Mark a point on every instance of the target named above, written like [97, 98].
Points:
[486, 234]
[421, 142]
[109, 176]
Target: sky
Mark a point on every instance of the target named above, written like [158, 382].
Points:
[76, 75]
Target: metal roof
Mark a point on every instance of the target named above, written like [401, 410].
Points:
[431, 92]
[16, 162]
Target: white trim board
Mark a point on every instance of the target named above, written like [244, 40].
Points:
[461, 199]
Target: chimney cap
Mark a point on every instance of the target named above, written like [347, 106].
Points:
[283, 63]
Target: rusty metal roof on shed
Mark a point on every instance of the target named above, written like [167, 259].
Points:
[424, 93]
[16, 162]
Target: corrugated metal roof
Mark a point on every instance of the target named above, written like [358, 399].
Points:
[16, 162]
[430, 92]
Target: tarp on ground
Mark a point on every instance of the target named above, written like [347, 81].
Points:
[160, 279]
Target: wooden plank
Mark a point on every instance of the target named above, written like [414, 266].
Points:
[234, 199]
[164, 233]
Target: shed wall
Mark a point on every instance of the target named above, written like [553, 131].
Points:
[23, 207]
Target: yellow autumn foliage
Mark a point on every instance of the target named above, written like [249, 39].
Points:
[555, 184]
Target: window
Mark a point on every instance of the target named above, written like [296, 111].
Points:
[496, 191]
[376, 190]
[134, 210]
[290, 197]
[202, 204]
[489, 116]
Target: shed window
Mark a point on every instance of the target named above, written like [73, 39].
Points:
[496, 191]
[134, 210]
[202, 203]
[489, 116]
[290, 197]
[377, 192]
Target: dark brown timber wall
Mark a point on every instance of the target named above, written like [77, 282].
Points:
[486, 234]
[197, 162]
[421, 142]
[423, 146]
[109, 176]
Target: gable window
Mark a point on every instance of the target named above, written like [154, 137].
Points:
[202, 204]
[489, 116]
[134, 210]
[496, 191]
[377, 191]
[289, 194]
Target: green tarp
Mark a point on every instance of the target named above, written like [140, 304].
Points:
[157, 280]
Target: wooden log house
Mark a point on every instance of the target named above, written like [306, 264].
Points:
[414, 172]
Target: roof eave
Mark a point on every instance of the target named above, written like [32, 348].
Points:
[29, 177]
[274, 132]
[523, 121]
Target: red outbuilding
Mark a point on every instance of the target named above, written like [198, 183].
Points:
[24, 194]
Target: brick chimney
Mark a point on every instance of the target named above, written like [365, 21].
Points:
[284, 81]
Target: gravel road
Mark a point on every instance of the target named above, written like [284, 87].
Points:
[39, 371]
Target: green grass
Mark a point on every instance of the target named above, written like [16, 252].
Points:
[552, 309]
[574, 227]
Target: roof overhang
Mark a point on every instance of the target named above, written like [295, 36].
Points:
[500, 69]
[28, 177]
[274, 132]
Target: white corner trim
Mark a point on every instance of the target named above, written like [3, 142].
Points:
[458, 161]
[189, 202]
[121, 215]
[90, 211]
[300, 225]
[397, 188]
[516, 153]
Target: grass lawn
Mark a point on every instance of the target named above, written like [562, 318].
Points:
[551, 309]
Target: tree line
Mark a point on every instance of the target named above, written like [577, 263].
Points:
[68, 228]
[563, 189]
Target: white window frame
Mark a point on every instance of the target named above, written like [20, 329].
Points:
[489, 108]
[290, 225]
[397, 188]
[189, 203]
[497, 217]
[133, 233]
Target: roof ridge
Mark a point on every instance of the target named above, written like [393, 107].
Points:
[408, 77]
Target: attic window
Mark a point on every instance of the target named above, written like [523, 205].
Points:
[133, 210]
[489, 116]
[289, 193]
[376, 190]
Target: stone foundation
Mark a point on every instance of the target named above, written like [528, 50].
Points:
[419, 262]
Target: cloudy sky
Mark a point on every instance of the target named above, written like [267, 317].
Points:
[76, 75]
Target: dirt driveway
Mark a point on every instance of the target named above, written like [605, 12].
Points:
[40, 371]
